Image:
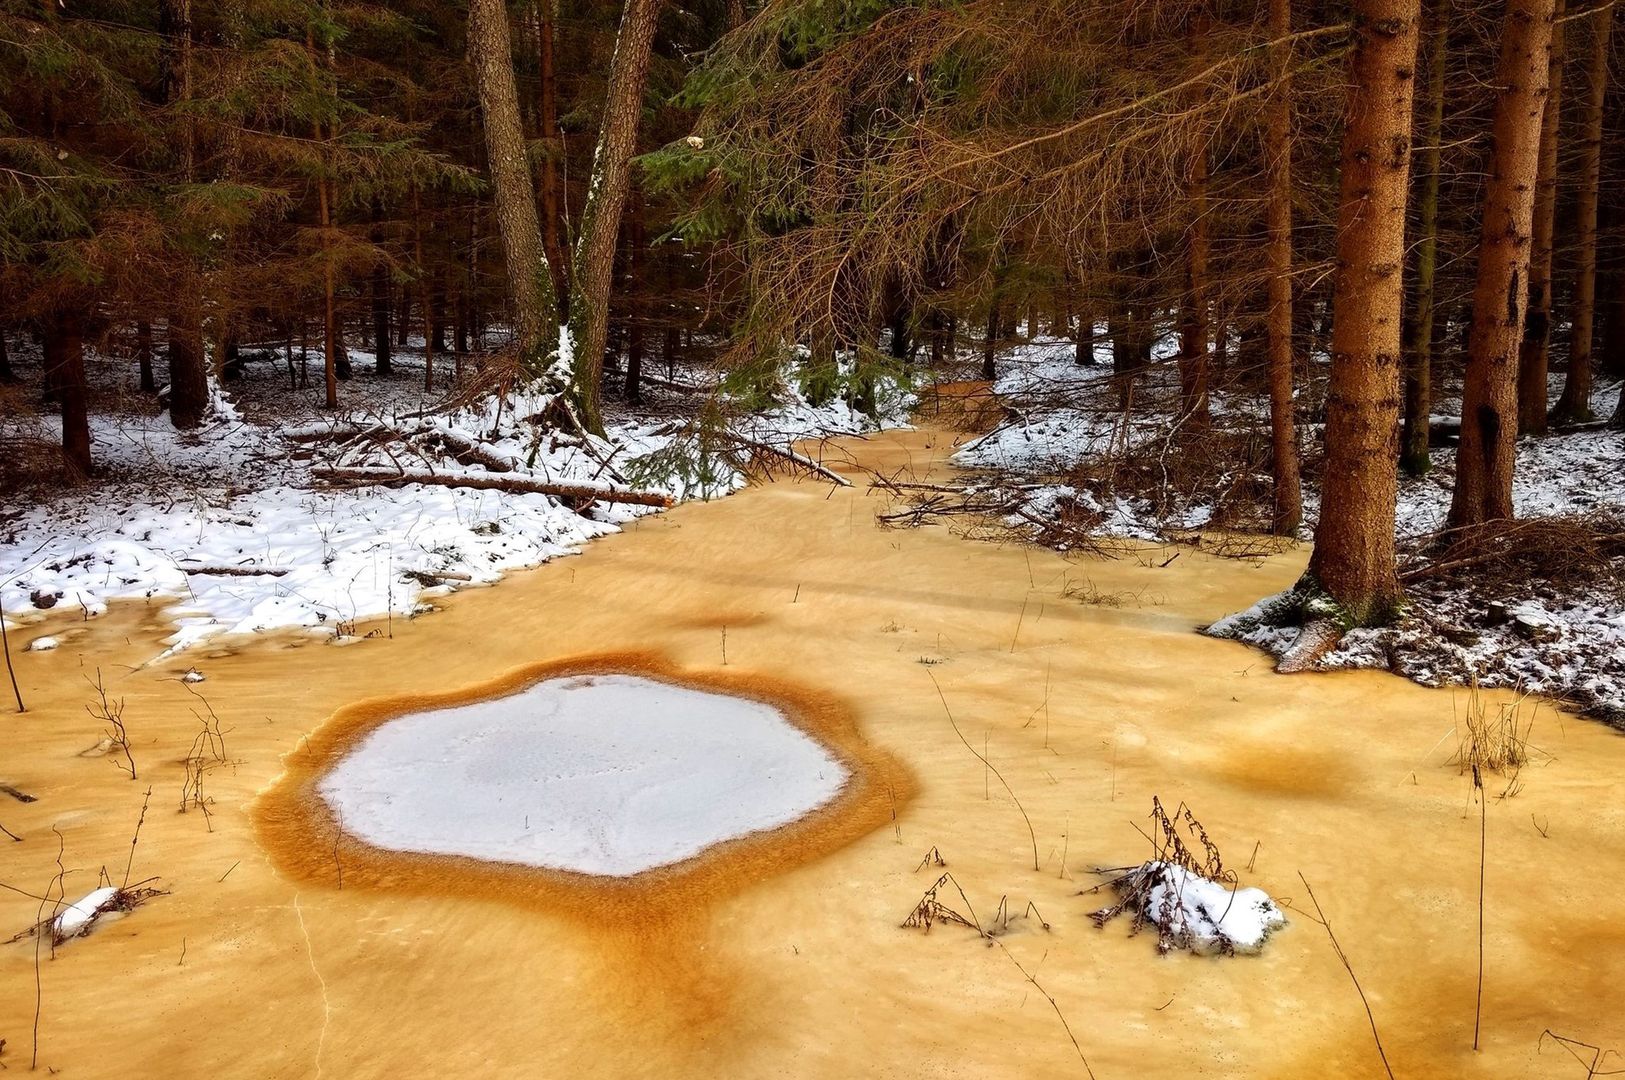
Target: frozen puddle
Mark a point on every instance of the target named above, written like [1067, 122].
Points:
[599, 774]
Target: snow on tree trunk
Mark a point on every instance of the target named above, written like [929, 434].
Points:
[606, 195]
[1489, 406]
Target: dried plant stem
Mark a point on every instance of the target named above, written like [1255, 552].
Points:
[135, 838]
[56, 903]
[5, 641]
[1483, 840]
[1338, 949]
[1052, 1004]
[1033, 836]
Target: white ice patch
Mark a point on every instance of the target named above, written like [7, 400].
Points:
[600, 774]
[43, 644]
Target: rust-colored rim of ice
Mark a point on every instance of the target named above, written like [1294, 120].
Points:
[306, 842]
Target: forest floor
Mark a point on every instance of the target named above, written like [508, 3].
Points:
[1066, 466]
[272, 953]
[230, 528]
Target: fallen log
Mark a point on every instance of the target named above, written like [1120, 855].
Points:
[673, 384]
[235, 571]
[562, 489]
[432, 578]
[466, 449]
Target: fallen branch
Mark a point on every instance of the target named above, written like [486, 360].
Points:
[432, 578]
[801, 460]
[234, 571]
[562, 489]
[673, 384]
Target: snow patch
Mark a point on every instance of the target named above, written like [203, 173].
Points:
[1202, 915]
[78, 915]
[604, 774]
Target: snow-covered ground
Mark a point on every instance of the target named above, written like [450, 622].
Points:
[1065, 437]
[229, 528]
[596, 774]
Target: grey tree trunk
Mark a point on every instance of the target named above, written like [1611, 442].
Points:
[530, 284]
[594, 264]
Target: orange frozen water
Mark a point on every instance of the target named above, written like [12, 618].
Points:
[783, 956]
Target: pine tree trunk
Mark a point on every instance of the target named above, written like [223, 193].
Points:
[606, 195]
[1193, 327]
[330, 327]
[1084, 339]
[143, 355]
[990, 342]
[636, 242]
[1489, 404]
[1288, 489]
[1353, 560]
[1534, 353]
[1575, 404]
[64, 356]
[1418, 330]
[548, 108]
[431, 344]
[188, 372]
[382, 349]
[530, 287]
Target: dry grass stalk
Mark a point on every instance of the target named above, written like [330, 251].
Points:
[1320, 917]
[207, 753]
[1031, 835]
[930, 910]
[1592, 1064]
[1570, 549]
[1495, 742]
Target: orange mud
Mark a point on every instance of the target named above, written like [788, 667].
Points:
[782, 956]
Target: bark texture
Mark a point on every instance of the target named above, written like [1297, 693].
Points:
[1413, 452]
[64, 356]
[1193, 331]
[1489, 405]
[1288, 488]
[1534, 354]
[1575, 404]
[606, 197]
[1353, 560]
[530, 286]
[188, 373]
